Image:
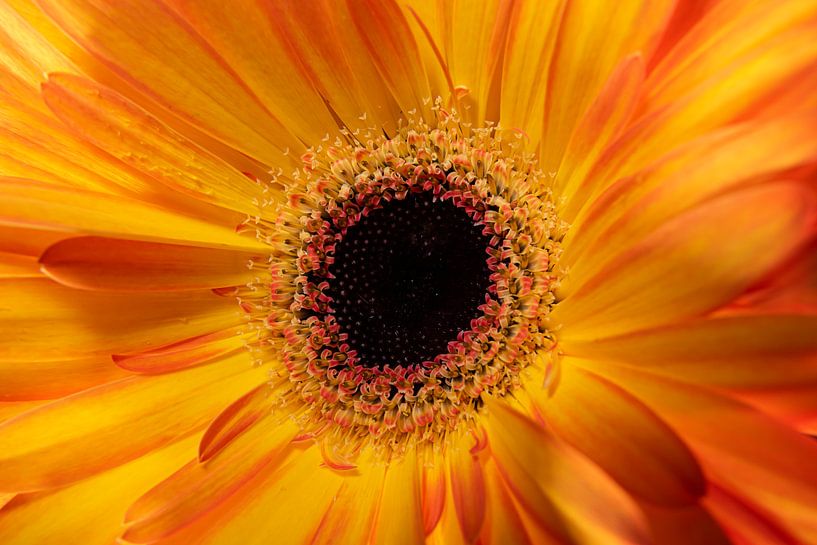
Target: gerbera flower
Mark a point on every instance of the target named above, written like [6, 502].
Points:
[378, 272]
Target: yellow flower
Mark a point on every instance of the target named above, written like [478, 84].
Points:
[384, 272]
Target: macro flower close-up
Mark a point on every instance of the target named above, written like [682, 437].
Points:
[408, 272]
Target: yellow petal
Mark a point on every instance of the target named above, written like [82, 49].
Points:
[18, 266]
[534, 27]
[391, 46]
[157, 52]
[97, 429]
[399, 518]
[31, 204]
[691, 265]
[733, 351]
[288, 501]
[43, 320]
[91, 510]
[591, 42]
[50, 379]
[690, 174]
[197, 488]
[252, 42]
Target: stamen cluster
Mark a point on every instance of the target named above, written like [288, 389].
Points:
[337, 399]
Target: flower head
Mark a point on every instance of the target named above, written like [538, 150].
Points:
[408, 272]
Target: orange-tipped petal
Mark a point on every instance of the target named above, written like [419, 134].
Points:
[32, 204]
[182, 354]
[198, 488]
[733, 351]
[97, 263]
[97, 429]
[50, 379]
[92, 508]
[620, 433]
[161, 55]
[709, 255]
[46, 321]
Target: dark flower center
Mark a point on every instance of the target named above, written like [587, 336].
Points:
[408, 278]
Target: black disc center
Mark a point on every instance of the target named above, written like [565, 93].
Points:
[408, 278]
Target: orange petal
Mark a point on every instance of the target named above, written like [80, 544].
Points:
[91, 510]
[10, 409]
[467, 489]
[708, 256]
[732, 351]
[106, 426]
[619, 433]
[50, 379]
[160, 54]
[44, 320]
[287, 501]
[744, 522]
[97, 263]
[182, 354]
[739, 448]
[684, 525]
[434, 498]
[27, 55]
[138, 139]
[198, 488]
[31, 204]
[570, 497]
